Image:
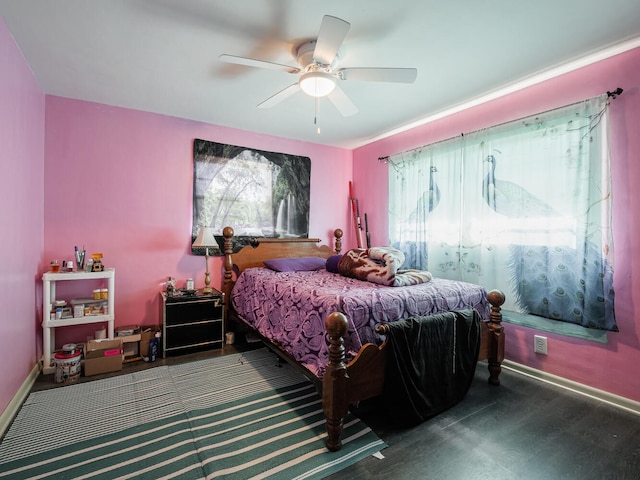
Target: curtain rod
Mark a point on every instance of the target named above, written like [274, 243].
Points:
[386, 159]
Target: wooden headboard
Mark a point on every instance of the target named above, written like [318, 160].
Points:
[265, 248]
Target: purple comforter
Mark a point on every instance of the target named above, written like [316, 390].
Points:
[290, 308]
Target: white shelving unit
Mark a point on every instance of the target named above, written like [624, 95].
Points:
[49, 281]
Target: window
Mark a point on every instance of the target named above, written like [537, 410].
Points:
[524, 207]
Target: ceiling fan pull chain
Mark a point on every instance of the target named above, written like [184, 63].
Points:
[315, 117]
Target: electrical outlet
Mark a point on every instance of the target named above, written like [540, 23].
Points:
[540, 344]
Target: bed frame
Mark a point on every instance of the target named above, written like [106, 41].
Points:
[344, 384]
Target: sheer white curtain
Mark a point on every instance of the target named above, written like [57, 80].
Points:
[524, 207]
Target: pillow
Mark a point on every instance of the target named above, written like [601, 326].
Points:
[332, 263]
[301, 264]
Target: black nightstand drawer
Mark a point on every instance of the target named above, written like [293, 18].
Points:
[194, 334]
[192, 322]
[194, 311]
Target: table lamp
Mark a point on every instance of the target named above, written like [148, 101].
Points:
[206, 239]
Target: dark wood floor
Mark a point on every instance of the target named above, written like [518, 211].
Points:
[524, 429]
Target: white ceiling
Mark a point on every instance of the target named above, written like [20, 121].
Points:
[162, 55]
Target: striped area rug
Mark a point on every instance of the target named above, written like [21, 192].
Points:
[233, 417]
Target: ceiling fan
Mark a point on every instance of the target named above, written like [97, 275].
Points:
[318, 75]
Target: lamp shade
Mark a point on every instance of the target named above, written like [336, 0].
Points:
[205, 238]
[317, 84]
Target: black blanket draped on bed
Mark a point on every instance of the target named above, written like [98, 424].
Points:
[431, 364]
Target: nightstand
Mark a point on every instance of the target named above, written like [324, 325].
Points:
[192, 321]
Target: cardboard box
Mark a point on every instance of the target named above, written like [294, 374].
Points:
[127, 330]
[102, 356]
[130, 345]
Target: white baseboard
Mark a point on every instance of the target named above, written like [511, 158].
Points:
[18, 399]
[606, 397]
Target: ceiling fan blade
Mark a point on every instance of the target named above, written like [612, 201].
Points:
[250, 62]
[333, 31]
[280, 96]
[340, 100]
[398, 75]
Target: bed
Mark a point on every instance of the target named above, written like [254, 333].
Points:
[339, 344]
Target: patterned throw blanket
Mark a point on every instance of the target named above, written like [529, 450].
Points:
[380, 265]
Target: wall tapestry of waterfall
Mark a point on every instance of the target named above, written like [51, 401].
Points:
[258, 193]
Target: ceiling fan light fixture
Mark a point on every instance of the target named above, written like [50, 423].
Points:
[317, 84]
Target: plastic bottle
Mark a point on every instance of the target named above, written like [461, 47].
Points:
[153, 349]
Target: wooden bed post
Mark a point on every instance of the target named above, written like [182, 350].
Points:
[227, 283]
[335, 381]
[496, 299]
[337, 236]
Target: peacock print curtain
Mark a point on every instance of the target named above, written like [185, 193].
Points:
[524, 207]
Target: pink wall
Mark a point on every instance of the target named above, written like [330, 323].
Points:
[119, 182]
[611, 367]
[21, 214]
